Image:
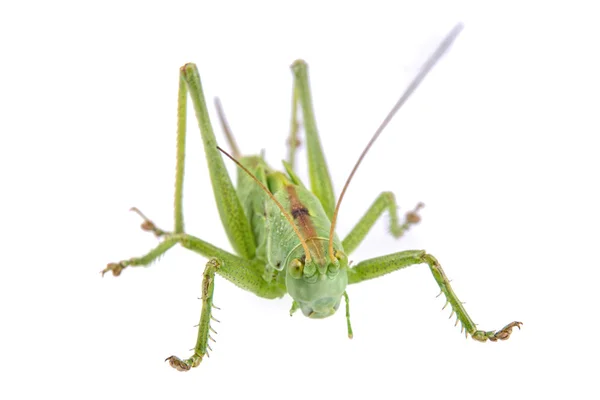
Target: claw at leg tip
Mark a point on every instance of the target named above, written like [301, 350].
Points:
[177, 363]
[114, 268]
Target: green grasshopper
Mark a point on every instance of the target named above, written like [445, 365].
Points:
[284, 233]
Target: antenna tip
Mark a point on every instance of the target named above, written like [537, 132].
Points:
[455, 31]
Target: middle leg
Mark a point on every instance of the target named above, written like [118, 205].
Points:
[246, 274]
[385, 200]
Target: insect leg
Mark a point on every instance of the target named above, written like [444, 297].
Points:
[243, 273]
[246, 274]
[379, 266]
[320, 180]
[180, 165]
[204, 328]
[230, 208]
[293, 140]
[385, 200]
[143, 261]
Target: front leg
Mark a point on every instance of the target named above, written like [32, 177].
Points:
[202, 346]
[379, 266]
[385, 200]
[246, 274]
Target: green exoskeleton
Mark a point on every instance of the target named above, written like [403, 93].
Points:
[283, 233]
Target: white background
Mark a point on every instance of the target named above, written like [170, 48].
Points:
[499, 142]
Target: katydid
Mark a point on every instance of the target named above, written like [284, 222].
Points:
[282, 232]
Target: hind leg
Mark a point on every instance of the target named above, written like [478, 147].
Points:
[230, 208]
[320, 179]
[293, 140]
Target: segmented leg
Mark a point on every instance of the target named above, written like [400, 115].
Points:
[246, 274]
[379, 266]
[385, 200]
[180, 164]
[293, 140]
[320, 179]
[230, 208]
[204, 328]
[145, 260]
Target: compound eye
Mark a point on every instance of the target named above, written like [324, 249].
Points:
[338, 254]
[296, 268]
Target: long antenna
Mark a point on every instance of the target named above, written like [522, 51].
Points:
[263, 187]
[232, 143]
[425, 69]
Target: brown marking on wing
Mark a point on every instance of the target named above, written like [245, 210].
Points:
[302, 217]
[299, 211]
